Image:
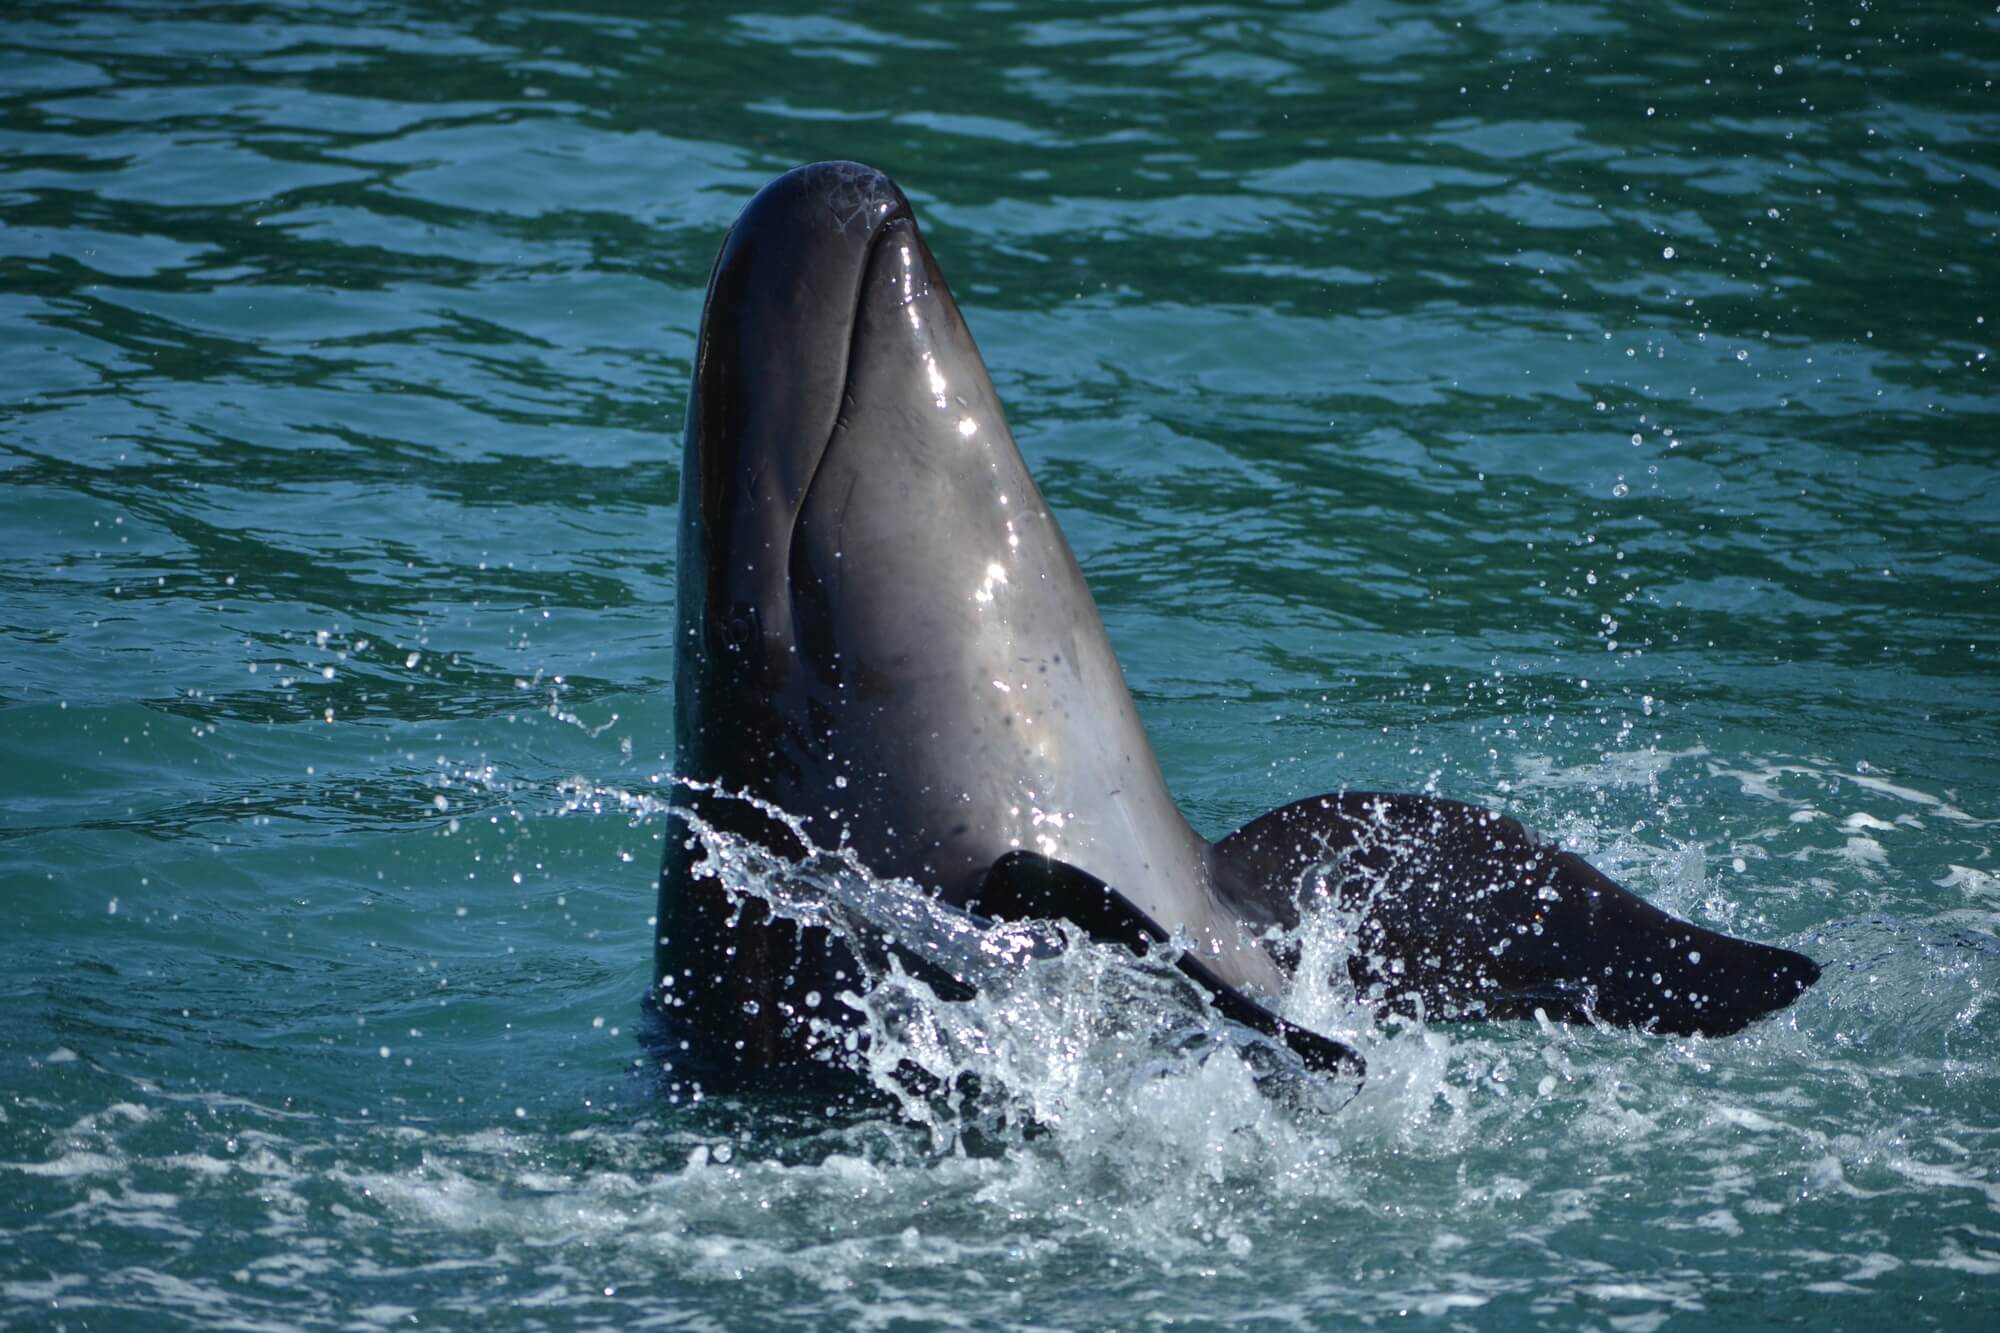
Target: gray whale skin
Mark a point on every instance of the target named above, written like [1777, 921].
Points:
[882, 630]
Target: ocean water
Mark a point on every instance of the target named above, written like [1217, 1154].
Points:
[1581, 409]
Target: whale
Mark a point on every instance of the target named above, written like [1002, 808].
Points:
[882, 632]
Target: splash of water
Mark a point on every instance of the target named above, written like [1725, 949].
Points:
[1076, 1061]
[1041, 1022]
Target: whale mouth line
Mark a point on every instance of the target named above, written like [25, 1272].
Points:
[898, 224]
[773, 361]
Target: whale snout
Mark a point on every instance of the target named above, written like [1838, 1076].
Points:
[815, 221]
[850, 194]
[781, 308]
[771, 370]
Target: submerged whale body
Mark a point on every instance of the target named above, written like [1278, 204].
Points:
[882, 631]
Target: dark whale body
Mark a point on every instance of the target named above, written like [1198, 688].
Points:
[882, 630]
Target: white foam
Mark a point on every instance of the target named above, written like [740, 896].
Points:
[1979, 1263]
[1975, 882]
[1864, 852]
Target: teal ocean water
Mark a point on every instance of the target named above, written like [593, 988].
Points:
[1582, 409]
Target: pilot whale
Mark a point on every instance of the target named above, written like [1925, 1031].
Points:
[883, 632]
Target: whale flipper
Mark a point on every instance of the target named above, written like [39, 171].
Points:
[1027, 885]
[1466, 913]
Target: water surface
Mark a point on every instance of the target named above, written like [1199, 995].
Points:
[1586, 410]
